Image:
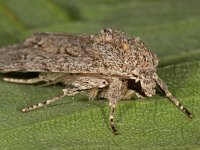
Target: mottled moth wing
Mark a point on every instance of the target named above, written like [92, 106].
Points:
[46, 52]
[107, 53]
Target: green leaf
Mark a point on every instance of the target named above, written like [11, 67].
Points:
[170, 28]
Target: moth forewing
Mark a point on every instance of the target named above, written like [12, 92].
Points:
[109, 65]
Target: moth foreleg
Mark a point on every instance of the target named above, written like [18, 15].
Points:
[115, 93]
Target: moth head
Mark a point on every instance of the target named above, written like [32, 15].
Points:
[145, 84]
[148, 87]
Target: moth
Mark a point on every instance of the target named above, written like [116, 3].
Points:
[108, 65]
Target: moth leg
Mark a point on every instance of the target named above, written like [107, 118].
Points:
[78, 85]
[46, 77]
[69, 92]
[164, 88]
[115, 93]
[111, 118]
[90, 85]
[92, 93]
[131, 93]
[23, 81]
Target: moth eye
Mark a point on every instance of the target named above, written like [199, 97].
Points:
[104, 82]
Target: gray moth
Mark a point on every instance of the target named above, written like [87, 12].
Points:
[109, 65]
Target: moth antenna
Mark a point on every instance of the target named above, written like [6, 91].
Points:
[168, 94]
